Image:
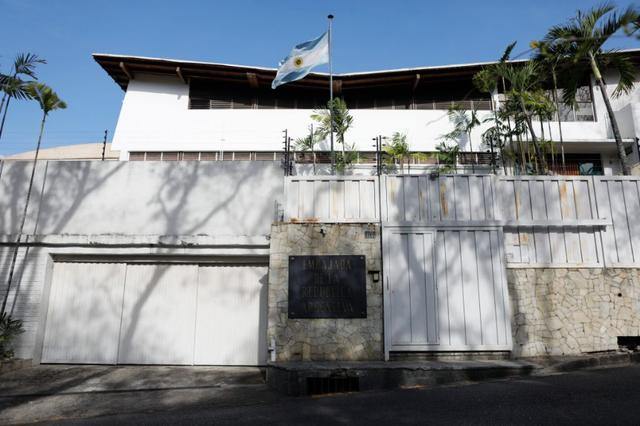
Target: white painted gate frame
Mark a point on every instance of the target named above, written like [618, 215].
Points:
[386, 230]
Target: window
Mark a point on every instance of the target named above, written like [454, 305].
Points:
[241, 156]
[190, 156]
[577, 165]
[208, 156]
[170, 156]
[136, 156]
[583, 109]
[264, 156]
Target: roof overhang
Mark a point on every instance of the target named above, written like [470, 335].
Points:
[124, 68]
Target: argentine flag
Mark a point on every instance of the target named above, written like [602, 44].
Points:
[302, 58]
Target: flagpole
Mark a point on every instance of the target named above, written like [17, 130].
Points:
[333, 154]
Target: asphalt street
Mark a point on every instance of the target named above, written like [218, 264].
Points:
[605, 396]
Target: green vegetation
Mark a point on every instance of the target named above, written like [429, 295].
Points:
[576, 48]
[9, 330]
[21, 84]
[15, 85]
[342, 121]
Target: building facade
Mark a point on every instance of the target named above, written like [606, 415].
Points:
[184, 110]
[228, 260]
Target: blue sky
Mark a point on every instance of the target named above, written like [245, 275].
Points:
[368, 35]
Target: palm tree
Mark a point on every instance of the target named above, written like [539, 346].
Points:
[447, 155]
[486, 81]
[523, 96]
[308, 143]
[584, 36]
[464, 122]
[398, 149]
[13, 85]
[553, 57]
[48, 101]
[342, 121]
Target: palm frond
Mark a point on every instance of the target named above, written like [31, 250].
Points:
[25, 64]
[485, 80]
[45, 96]
[507, 52]
[612, 25]
[309, 142]
[589, 20]
[625, 67]
[15, 88]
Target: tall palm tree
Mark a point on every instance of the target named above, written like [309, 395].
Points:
[13, 85]
[48, 101]
[486, 81]
[554, 57]
[584, 36]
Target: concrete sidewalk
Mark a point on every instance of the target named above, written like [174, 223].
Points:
[53, 392]
[57, 392]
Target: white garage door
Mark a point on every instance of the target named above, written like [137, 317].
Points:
[187, 314]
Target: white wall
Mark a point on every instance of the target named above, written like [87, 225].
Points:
[217, 199]
[155, 117]
[189, 212]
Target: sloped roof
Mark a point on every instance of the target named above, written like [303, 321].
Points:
[122, 68]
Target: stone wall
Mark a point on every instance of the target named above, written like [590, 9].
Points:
[559, 311]
[324, 339]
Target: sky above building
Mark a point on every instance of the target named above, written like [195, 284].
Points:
[368, 35]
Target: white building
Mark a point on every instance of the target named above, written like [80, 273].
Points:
[186, 110]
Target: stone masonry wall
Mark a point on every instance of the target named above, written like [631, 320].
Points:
[559, 311]
[324, 339]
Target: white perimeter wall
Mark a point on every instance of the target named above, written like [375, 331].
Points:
[184, 212]
[155, 117]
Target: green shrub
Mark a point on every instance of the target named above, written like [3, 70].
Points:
[9, 330]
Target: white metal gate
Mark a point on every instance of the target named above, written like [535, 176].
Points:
[445, 290]
[129, 313]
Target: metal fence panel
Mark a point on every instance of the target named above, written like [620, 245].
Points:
[331, 199]
[618, 199]
[548, 221]
[424, 199]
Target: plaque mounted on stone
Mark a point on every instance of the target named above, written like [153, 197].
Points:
[327, 287]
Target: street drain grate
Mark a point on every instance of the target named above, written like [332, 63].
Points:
[629, 342]
[327, 385]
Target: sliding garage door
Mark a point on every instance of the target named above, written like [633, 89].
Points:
[85, 309]
[183, 314]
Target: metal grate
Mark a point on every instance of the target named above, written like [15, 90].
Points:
[327, 385]
[629, 342]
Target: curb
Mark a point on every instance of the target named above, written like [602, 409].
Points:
[602, 361]
[294, 379]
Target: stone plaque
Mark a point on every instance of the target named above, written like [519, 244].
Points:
[327, 287]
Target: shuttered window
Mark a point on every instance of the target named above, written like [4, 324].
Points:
[136, 156]
[208, 156]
